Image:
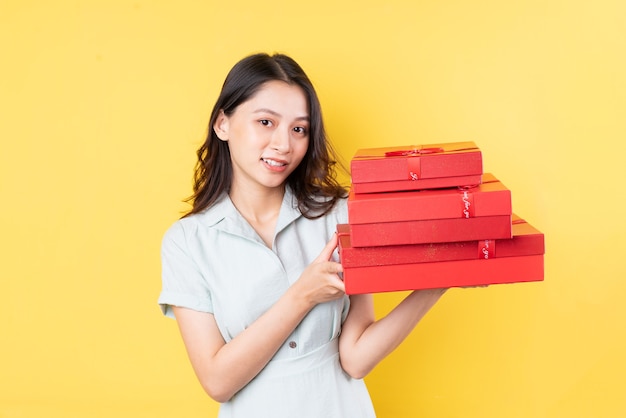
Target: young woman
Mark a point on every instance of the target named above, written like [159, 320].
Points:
[251, 274]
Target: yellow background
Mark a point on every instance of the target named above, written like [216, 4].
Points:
[103, 104]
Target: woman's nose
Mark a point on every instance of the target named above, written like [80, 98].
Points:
[280, 140]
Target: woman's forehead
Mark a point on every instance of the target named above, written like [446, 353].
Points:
[280, 98]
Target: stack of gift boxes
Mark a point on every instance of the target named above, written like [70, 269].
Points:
[428, 217]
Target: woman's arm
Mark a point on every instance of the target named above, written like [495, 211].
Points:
[224, 368]
[364, 342]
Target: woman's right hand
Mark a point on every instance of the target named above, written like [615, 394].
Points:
[320, 281]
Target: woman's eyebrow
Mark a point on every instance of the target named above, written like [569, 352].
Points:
[273, 112]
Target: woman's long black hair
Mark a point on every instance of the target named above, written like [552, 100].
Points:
[313, 182]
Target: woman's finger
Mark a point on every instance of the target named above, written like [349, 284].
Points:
[328, 250]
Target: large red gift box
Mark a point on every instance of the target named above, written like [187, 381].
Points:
[450, 264]
[526, 241]
[491, 198]
[416, 167]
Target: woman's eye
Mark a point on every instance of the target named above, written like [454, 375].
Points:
[300, 130]
[265, 122]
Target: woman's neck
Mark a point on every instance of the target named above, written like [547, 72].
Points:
[260, 207]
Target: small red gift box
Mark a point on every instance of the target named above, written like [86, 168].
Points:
[491, 198]
[416, 167]
[410, 267]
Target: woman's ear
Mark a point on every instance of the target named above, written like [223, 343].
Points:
[221, 126]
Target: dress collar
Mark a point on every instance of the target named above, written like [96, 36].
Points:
[223, 215]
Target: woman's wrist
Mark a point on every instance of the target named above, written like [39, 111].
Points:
[299, 299]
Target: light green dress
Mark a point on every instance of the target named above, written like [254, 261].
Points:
[215, 262]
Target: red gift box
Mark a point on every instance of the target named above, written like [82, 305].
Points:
[491, 198]
[431, 216]
[410, 267]
[416, 167]
[526, 241]
[431, 231]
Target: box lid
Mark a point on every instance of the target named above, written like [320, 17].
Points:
[416, 162]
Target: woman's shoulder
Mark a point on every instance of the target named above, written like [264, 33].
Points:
[339, 211]
[189, 225]
[178, 233]
[341, 207]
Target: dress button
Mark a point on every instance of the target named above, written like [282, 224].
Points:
[292, 344]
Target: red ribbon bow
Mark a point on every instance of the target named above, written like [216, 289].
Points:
[414, 151]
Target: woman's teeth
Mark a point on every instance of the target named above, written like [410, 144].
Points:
[273, 163]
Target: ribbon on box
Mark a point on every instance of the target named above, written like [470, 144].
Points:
[467, 199]
[420, 150]
[414, 151]
[467, 203]
[413, 164]
[486, 249]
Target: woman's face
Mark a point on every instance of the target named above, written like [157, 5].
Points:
[268, 135]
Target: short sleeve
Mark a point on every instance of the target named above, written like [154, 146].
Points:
[182, 281]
